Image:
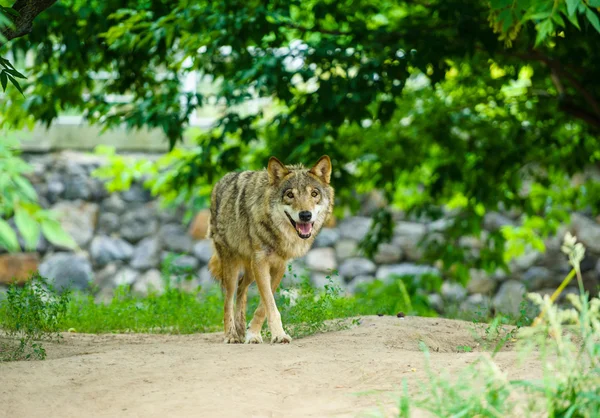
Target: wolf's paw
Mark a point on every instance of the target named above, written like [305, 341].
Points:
[252, 338]
[232, 339]
[281, 339]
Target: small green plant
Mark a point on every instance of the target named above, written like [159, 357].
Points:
[464, 349]
[565, 341]
[30, 314]
[406, 294]
[306, 310]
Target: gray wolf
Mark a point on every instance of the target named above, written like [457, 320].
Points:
[259, 221]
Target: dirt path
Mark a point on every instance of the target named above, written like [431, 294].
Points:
[198, 376]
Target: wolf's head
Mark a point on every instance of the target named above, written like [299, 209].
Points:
[301, 198]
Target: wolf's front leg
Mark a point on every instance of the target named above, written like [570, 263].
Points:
[262, 274]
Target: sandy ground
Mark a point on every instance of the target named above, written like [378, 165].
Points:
[355, 372]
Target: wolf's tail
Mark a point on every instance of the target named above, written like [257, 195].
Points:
[215, 267]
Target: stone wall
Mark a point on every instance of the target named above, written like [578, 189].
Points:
[125, 236]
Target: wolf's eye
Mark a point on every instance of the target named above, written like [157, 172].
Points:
[290, 195]
[314, 193]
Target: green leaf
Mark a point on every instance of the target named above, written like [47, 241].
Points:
[54, 232]
[573, 19]
[593, 18]
[572, 6]
[8, 237]
[15, 73]
[15, 83]
[25, 188]
[594, 3]
[3, 80]
[28, 227]
[543, 30]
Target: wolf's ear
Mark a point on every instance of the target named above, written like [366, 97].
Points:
[322, 169]
[276, 170]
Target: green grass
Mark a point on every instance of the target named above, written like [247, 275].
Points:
[29, 315]
[34, 312]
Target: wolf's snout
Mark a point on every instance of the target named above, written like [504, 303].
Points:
[305, 216]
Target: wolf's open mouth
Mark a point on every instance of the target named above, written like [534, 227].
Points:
[304, 229]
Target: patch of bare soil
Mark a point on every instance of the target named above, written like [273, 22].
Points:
[339, 374]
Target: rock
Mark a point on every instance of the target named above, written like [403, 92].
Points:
[147, 254]
[138, 224]
[113, 204]
[149, 282]
[371, 202]
[357, 266]
[97, 190]
[409, 246]
[126, 277]
[321, 259]
[509, 297]
[136, 194]
[480, 282]
[440, 225]
[18, 266]
[105, 249]
[175, 238]
[354, 285]
[108, 223]
[104, 279]
[355, 227]
[405, 269]
[414, 230]
[587, 232]
[436, 302]
[183, 264]
[77, 186]
[477, 303]
[203, 250]
[525, 261]
[327, 237]
[453, 292]
[205, 277]
[388, 254]
[54, 190]
[199, 227]
[346, 248]
[78, 219]
[65, 269]
[538, 277]
[493, 221]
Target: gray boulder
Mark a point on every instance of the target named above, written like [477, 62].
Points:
[357, 266]
[509, 297]
[355, 227]
[203, 250]
[138, 224]
[65, 269]
[327, 237]
[146, 254]
[321, 259]
[176, 239]
[105, 249]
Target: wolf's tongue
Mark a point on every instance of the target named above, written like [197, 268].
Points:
[304, 228]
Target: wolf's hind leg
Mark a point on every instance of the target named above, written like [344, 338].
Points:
[241, 300]
[230, 277]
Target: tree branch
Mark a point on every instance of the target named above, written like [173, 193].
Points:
[23, 23]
